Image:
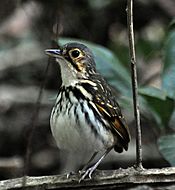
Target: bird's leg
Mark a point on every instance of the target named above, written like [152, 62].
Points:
[90, 170]
[83, 170]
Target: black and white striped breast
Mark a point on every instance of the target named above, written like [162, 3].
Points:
[76, 123]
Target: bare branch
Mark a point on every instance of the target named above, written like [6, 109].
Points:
[134, 83]
[101, 179]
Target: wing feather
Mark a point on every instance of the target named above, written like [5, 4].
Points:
[107, 105]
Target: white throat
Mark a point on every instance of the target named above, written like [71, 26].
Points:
[68, 75]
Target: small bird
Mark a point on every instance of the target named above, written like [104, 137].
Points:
[86, 118]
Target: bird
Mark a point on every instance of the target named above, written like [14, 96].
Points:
[86, 118]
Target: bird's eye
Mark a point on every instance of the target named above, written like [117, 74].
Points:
[75, 53]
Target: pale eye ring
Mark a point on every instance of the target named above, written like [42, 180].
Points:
[75, 53]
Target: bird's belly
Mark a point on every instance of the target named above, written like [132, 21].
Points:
[73, 133]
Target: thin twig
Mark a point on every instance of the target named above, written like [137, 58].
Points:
[134, 83]
[33, 125]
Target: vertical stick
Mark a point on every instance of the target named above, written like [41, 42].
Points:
[134, 83]
[33, 126]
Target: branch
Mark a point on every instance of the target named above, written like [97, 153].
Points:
[134, 83]
[101, 179]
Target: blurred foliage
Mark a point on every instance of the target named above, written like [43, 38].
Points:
[168, 74]
[159, 104]
[167, 148]
[167, 143]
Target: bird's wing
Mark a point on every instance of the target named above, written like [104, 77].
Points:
[109, 108]
[117, 123]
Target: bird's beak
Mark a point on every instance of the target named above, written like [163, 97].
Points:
[53, 52]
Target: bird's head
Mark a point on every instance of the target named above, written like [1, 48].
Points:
[76, 62]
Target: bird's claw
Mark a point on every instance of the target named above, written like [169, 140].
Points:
[86, 173]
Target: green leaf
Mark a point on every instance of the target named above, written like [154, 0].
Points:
[166, 146]
[148, 48]
[153, 92]
[108, 65]
[159, 104]
[168, 73]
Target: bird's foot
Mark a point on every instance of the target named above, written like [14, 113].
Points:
[86, 173]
